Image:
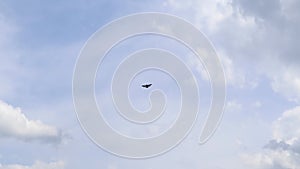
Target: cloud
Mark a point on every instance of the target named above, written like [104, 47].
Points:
[233, 106]
[286, 80]
[260, 38]
[287, 127]
[258, 8]
[274, 145]
[217, 20]
[234, 76]
[276, 42]
[36, 165]
[14, 124]
[271, 159]
[283, 151]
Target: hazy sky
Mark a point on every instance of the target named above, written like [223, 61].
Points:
[256, 40]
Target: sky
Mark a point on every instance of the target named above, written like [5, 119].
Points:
[255, 40]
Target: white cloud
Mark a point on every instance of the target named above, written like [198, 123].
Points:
[287, 81]
[233, 106]
[36, 165]
[234, 75]
[270, 159]
[287, 127]
[218, 20]
[14, 124]
[276, 42]
[264, 41]
[283, 152]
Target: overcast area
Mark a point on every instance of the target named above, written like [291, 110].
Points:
[257, 42]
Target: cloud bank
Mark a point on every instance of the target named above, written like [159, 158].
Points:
[283, 151]
[14, 124]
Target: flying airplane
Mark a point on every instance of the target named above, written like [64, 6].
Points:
[146, 85]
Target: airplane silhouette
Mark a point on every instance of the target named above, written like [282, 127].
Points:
[146, 85]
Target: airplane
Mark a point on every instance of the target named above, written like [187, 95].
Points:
[146, 85]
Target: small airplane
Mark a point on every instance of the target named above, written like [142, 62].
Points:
[146, 85]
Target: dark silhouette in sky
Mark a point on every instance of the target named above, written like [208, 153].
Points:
[146, 85]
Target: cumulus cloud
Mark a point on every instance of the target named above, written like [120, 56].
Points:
[283, 151]
[259, 37]
[14, 124]
[276, 42]
[286, 80]
[36, 165]
[287, 127]
[217, 20]
[270, 159]
[258, 8]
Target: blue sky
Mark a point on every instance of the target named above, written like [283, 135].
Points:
[256, 41]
